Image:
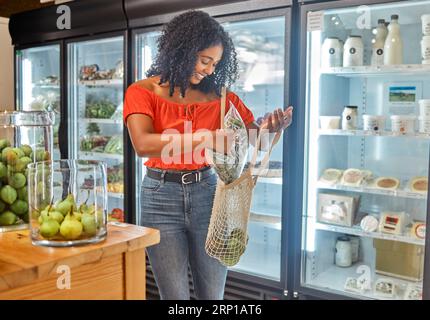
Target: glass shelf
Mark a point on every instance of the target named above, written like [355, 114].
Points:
[333, 279]
[100, 155]
[270, 221]
[366, 189]
[108, 82]
[116, 195]
[357, 231]
[102, 121]
[375, 71]
[367, 133]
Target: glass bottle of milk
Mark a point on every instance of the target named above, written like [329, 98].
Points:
[393, 48]
[378, 43]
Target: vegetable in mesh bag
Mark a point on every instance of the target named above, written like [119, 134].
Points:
[230, 166]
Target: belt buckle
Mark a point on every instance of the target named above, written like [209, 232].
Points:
[198, 177]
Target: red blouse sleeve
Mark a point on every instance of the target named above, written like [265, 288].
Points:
[138, 100]
[244, 112]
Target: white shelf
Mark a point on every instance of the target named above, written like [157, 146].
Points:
[271, 180]
[46, 86]
[100, 155]
[101, 121]
[357, 231]
[367, 133]
[108, 82]
[375, 71]
[115, 195]
[333, 279]
[366, 189]
[274, 222]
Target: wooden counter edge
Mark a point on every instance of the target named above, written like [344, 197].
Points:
[91, 254]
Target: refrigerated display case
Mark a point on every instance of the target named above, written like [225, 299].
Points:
[260, 41]
[38, 85]
[364, 201]
[95, 99]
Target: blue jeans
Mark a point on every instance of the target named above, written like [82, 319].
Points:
[182, 214]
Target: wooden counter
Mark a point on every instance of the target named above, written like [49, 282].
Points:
[112, 269]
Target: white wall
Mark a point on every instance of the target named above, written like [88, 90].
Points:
[6, 67]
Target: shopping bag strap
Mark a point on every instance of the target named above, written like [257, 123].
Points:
[223, 102]
[266, 157]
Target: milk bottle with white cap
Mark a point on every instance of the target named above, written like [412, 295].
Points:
[378, 44]
[393, 48]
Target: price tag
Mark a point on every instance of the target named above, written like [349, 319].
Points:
[315, 21]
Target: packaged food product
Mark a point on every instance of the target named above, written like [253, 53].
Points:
[392, 222]
[393, 48]
[387, 183]
[424, 107]
[369, 223]
[425, 47]
[425, 19]
[331, 55]
[419, 184]
[330, 122]
[403, 123]
[373, 122]
[353, 51]
[349, 118]
[424, 124]
[418, 230]
[230, 166]
[331, 176]
[352, 177]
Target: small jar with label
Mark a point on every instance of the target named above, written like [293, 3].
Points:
[343, 257]
[353, 52]
[331, 55]
[349, 118]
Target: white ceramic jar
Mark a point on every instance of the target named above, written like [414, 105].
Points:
[353, 52]
[425, 48]
[424, 124]
[331, 55]
[373, 122]
[403, 123]
[349, 118]
[329, 122]
[424, 107]
[343, 257]
[355, 248]
[425, 18]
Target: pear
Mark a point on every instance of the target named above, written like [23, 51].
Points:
[71, 228]
[66, 205]
[26, 149]
[49, 228]
[51, 214]
[4, 143]
[8, 194]
[19, 207]
[89, 224]
[3, 170]
[17, 180]
[7, 218]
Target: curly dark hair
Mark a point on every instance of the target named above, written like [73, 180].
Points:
[182, 38]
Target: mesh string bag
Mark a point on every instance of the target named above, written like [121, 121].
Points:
[227, 236]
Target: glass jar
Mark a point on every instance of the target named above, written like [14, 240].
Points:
[343, 257]
[68, 202]
[25, 137]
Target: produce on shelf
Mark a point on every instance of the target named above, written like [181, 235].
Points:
[101, 109]
[94, 143]
[93, 72]
[116, 215]
[115, 145]
[115, 174]
[66, 221]
[117, 187]
[93, 129]
[13, 181]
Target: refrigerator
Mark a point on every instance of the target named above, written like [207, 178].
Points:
[360, 210]
[95, 90]
[261, 40]
[38, 82]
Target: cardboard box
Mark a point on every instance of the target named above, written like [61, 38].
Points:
[337, 209]
[399, 259]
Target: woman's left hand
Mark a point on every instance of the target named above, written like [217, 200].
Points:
[277, 120]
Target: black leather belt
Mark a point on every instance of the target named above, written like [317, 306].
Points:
[180, 177]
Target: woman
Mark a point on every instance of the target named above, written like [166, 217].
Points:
[196, 58]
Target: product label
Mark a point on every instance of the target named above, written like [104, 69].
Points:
[315, 21]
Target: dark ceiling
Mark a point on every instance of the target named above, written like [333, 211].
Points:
[8, 7]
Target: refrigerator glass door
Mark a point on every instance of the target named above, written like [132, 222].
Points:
[260, 51]
[366, 161]
[38, 83]
[96, 72]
